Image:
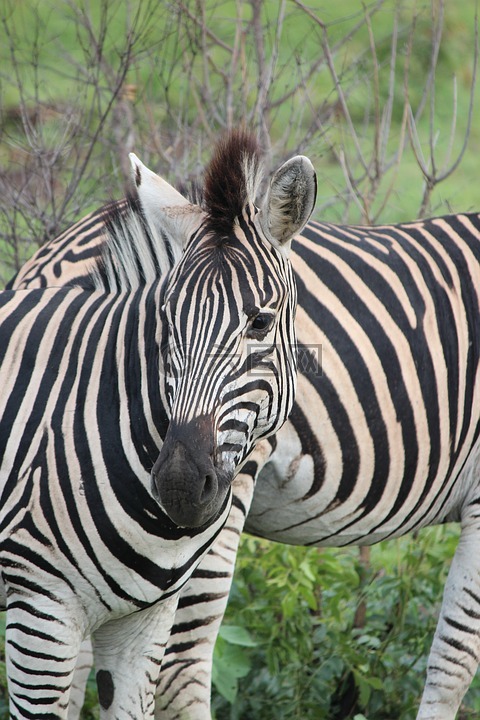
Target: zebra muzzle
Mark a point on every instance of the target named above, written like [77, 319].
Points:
[185, 480]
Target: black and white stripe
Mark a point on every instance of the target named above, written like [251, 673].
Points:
[395, 311]
[92, 540]
[382, 438]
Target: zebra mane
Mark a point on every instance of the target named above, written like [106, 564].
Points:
[232, 180]
[134, 253]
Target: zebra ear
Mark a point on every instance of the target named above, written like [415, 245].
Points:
[162, 204]
[289, 201]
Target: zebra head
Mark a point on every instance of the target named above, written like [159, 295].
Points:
[229, 345]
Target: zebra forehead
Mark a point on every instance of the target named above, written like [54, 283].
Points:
[228, 267]
[231, 180]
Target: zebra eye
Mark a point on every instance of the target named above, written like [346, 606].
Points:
[260, 324]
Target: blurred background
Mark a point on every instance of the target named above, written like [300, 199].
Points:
[380, 96]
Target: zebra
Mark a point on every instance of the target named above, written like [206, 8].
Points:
[127, 406]
[382, 438]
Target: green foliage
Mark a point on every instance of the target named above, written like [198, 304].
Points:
[336, 637]
[91, 707]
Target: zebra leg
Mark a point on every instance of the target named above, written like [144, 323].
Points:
[185, 681]
[128, 654]
[79, 683]
[184, 687]
[42, 642]
[455, 652]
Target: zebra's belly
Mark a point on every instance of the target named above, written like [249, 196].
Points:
[277, 516]
[291, 504]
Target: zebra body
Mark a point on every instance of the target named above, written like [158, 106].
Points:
[69, 565]
[383, 435]
[395, 312]
[392, 444]
[382, 438]
[95, 392]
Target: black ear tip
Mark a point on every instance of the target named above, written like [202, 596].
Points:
[315, 188]
[138, 176]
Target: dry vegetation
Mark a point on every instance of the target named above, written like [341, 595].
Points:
[84, 83]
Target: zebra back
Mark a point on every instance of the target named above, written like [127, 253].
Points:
[64, 262]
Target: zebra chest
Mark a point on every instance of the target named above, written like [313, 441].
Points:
[102, 538]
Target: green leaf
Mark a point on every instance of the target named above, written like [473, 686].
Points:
[369, 640]
[289, 604]
[376, 683]
[237, 635]
[307, 571]
[230, 662]
[364, 688]
[226, 684]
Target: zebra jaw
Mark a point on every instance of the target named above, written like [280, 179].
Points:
[186, 481]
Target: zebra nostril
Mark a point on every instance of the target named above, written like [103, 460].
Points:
[209, 489]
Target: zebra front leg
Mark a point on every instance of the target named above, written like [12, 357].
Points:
[42, 642]
[79, 682]
[184, 689]
[185, 680]
[455, 652]
[128, 654]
